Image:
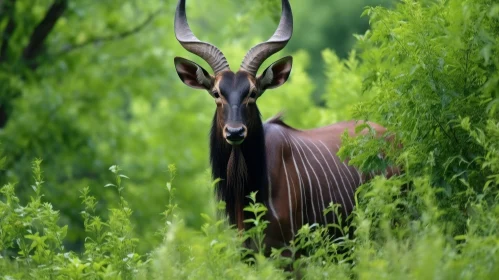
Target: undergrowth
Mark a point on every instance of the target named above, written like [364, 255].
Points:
[429, 72]
[398, 235]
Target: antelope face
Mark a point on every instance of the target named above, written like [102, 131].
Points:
[235, 93]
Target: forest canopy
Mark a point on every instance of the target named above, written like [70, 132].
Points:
[104, 152]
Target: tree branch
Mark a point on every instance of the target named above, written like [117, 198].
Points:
[3, 116]
[10, 9]
[114, 37]
[42, 30]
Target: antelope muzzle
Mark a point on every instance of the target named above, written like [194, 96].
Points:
[235, 135]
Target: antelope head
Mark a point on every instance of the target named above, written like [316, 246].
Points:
[235, 93]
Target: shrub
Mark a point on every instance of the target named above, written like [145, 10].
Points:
[31, 241]
[428, 71]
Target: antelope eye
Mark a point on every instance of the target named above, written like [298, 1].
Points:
[253, 95]
[216, 95]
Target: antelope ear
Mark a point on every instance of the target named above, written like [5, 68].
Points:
[192, 74]
[276, 74]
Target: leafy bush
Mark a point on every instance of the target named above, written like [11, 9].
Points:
[102, 89]
[31, 241]
[427, 70]
[428, 78]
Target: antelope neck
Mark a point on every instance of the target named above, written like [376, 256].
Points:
[241, 168]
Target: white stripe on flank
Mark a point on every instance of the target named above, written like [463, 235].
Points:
[308, 177]
[332, 196]
[271, 204]
[289, 193]
[316, 177]
[350, 172]
[334, 177]
[360, 176]
[353, 181]
[301, 184]
[324, 206]
[348, 169]
[350, 183]
[300, 180]
[341, 177]
[391, 168]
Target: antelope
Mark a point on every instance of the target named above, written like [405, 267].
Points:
[296, 173]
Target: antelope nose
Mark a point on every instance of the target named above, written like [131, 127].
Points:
[235, 135]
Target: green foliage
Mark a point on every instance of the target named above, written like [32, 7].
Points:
[258, 223]
[104, 91]
[427, 79]
[343, 88]
[31, 241]
[426, 70]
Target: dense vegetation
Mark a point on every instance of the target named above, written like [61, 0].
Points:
[102, 92]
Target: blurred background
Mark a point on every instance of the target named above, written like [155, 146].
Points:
[88, 84]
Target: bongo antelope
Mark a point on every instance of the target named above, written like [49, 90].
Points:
[296, 173]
